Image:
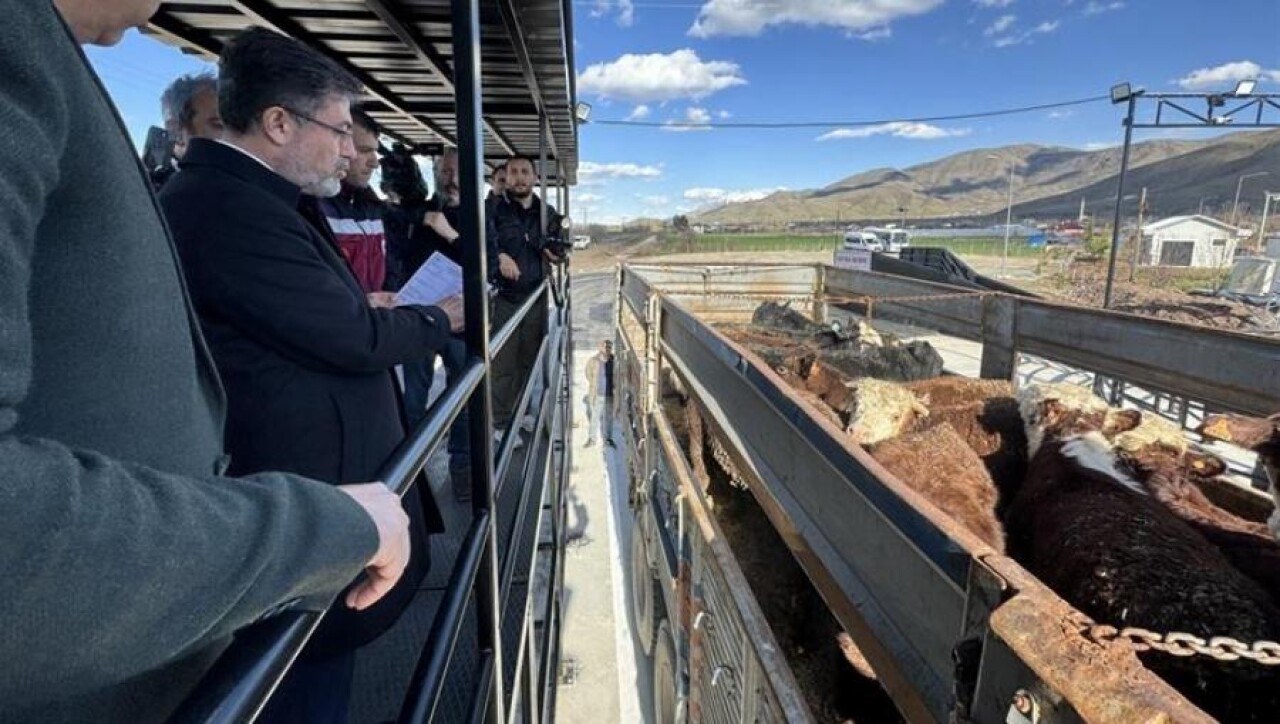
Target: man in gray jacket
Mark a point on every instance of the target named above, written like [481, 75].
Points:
[130, 560]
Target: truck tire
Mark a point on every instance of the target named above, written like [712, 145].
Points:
[664, 676]
[643, 591]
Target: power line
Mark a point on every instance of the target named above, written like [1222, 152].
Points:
[835, 124]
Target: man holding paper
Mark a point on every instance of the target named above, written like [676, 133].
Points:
[306, 360]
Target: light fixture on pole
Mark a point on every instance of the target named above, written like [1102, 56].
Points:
[1008, 218]
[1235, 207]
[582, 112]
[1120, 93]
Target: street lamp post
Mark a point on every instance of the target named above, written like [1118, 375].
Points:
[1008, 220]
[1120, 95]
[1235, 207]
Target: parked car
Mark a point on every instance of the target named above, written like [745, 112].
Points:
[581, 241]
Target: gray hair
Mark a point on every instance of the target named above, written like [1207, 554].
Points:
[176, 104]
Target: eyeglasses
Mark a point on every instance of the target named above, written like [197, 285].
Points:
[342, 133]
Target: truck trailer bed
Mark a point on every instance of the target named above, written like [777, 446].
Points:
[951, 627]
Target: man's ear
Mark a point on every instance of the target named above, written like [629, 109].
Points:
[278, 125]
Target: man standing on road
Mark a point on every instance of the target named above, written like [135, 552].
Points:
[307, 361]
[131, 558]
[600, 395]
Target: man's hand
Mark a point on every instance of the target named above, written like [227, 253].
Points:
[436, 221]
[453, 307]
[388, 563]
[507, 267]
[382, 300]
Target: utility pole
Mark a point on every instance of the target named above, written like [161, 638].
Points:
[1235, 207]
[1137, 243]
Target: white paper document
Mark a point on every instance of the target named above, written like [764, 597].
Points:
[437, 279]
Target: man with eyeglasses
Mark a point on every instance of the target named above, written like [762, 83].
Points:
[306, 359]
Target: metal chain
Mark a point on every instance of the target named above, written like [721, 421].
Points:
[1176, 643]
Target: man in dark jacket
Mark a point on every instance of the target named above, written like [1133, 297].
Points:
[354, 214]
[306, 360]
[517, 235]
[131, 561]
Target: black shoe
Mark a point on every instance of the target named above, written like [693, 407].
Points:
[460, 481]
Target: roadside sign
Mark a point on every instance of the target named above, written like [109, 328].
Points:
[855, 259]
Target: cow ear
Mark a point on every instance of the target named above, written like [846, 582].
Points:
[1119, 421]
[1205, 465]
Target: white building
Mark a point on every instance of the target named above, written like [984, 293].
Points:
[1189, 241]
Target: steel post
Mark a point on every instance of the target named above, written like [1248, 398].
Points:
[470, 125]
[1115, 226]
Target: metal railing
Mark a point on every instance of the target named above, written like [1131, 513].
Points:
[241, 682]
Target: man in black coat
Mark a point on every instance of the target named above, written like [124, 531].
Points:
[306, 359]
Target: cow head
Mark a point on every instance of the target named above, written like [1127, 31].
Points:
[881, 410]
[1060, 411]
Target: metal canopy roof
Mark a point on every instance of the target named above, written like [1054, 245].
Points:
[402, 51]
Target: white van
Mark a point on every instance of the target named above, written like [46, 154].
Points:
[862, 240]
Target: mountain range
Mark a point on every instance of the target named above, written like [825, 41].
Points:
[1049, 182]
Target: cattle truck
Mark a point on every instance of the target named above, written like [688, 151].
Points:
[950, 629]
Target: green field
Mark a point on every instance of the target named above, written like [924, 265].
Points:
[704, 243]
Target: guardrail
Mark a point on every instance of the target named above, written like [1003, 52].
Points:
[238, 686]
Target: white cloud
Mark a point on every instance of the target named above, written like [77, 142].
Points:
[626, 11]
[1057, 115]
[898, 129]
[638, 113]
[656, 200]
[590, 171]
[883, 32]
[1100, 145]
[659, 77]
[695, 119]
[749, 17]
[719, 197]
[1097, 8]
[1002, 23]
[1019, 38]
[1220, 77]
[723, 115]
[587, 198]
[993, 3]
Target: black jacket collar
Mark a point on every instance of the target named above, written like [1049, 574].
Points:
[215, 154]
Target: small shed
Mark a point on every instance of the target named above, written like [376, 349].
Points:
[1191, 241]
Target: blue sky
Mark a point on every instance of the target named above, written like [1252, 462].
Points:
[832, 60]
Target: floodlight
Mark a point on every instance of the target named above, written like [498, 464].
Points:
[1246, 87]
[1121, 92]
[582, 111]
